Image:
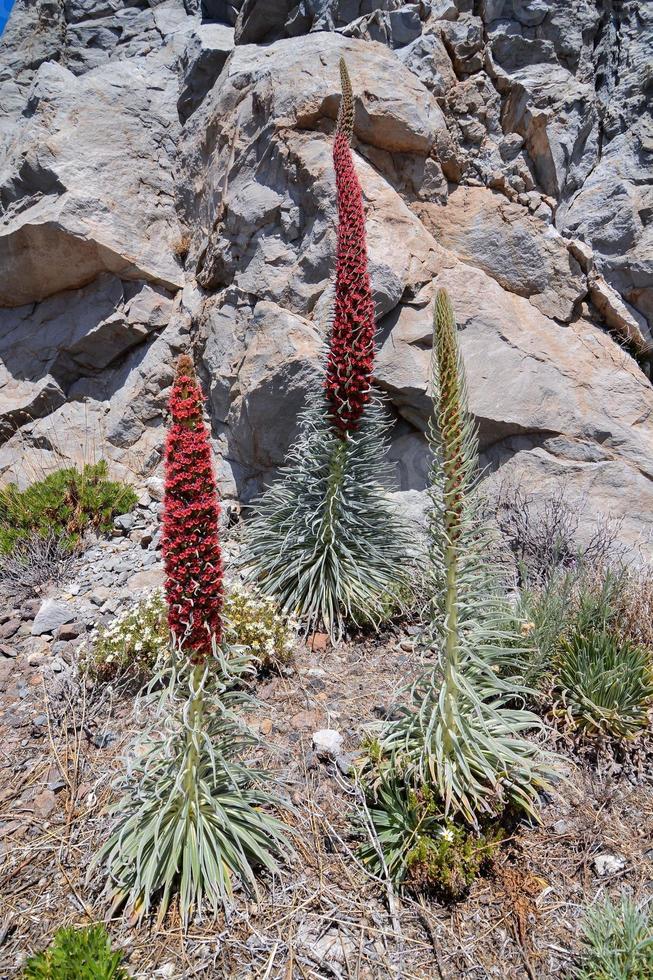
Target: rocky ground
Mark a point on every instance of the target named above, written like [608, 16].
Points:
[63, 742]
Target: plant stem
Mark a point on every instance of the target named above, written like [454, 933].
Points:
[451, 641]
[195, 716]
[333, 486]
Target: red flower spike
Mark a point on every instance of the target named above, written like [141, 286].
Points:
[190, 540]
[350, 361]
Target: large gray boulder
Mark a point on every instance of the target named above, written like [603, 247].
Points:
[203, 58]
[522, 252]
[87, 183]
[45, 348]
[166, 183]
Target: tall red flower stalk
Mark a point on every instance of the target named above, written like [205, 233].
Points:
[350, 359]
[191, 545]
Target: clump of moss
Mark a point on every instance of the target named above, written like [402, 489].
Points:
[448, 862]
[66, 505]
[77, 954]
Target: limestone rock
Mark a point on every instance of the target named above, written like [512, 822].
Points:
[259, 371]
[45, 348]
[504, 240]
[532, 380]
[160, 191]
[51, 615]
[86, 185]
[225, 11]
[202, 61]
[391, 21]
[327, 741]
[610, 213]
[428, 60]
[609, 864]
[555, 115]
[627, 322]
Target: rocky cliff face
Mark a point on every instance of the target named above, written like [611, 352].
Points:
[166, 180]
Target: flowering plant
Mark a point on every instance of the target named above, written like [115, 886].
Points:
[254, 622]
[191, 546]
[135, 643]
[351, 350]
[326, 541]
[193, 817]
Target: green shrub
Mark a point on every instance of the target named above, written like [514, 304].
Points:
[66, 504]
[449, 863]
[423, 851]
[136, 643]
[77, 954]
[603, 685]
[566, 604]
[618, 940]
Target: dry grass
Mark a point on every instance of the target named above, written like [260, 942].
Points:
[634, 612]
[33, 565]
[327, 918]
[181, 247]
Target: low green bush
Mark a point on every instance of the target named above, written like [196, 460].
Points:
[66, 504]
[449, 863]
[603, 685]
[77, 954]
[618, 940]
[418, 848]
[136, 643]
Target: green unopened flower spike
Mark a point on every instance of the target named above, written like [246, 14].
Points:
[460, 734]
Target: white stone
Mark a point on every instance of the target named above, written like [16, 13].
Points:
[327, 741]
[609, 864]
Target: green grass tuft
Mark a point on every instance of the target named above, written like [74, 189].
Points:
[603, 685]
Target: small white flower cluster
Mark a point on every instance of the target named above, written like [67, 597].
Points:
[134, 642]
[138, 639]
[255, 622]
